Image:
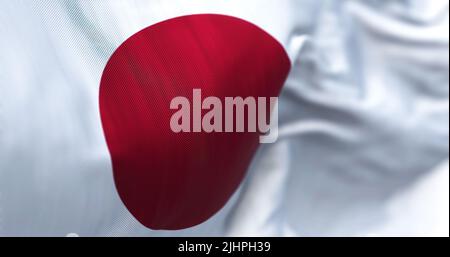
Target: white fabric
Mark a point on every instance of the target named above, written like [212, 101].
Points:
[363, 147]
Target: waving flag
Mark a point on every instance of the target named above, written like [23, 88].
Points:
[85, 90]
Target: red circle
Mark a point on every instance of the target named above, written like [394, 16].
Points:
[173, 180]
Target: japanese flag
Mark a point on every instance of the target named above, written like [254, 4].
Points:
[85, 139]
